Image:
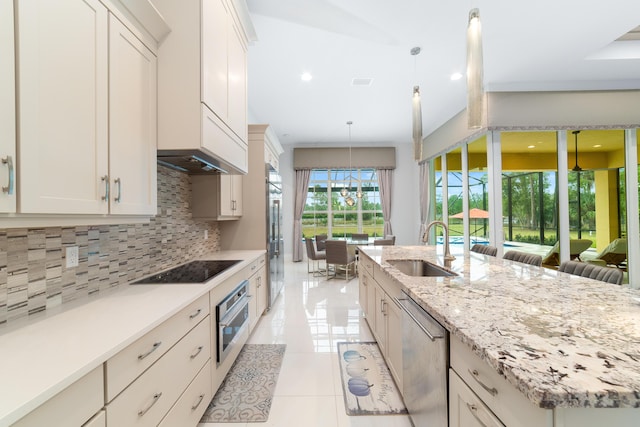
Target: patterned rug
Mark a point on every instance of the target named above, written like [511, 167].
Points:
[246, 392]
[368, 386]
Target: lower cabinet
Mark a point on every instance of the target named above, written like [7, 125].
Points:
[194, 401]
[377, 292]
[258, 291]
[73, 406]
[147, 400]
[465, 408]
[99, 420]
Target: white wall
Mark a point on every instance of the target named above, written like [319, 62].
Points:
[405, 213]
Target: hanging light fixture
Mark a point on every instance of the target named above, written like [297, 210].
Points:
[417, 114]
[576, 168]
[475, 87]
[346, 192]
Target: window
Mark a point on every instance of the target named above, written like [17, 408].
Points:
[326, 212]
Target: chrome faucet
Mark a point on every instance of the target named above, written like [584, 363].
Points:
[447, 254]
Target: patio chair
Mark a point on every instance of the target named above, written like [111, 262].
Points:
[484, 249]
[576, 247]
[523, 257]
[614, 254]
[340, 257]
[592, 271]
[314, 256]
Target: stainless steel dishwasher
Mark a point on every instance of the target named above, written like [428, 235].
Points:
[425, 352]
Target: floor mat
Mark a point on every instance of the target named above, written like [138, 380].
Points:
[368, 386]
[245, 394]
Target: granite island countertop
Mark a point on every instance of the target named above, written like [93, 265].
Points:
[562, 340]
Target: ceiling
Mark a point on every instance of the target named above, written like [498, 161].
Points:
[541, 45]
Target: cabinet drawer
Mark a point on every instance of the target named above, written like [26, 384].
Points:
[127, 365]
[465, 408]
[73, 406]
[146, 401]
[509, 404]
[193, 402]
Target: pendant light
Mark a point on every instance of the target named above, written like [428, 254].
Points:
[347, 198]
[475, 87]
[576, 168]
[417, 114]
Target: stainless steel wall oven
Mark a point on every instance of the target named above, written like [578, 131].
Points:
[232, 318]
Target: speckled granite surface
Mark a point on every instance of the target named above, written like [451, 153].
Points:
[562, 340]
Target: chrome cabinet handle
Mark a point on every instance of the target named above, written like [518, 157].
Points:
[105, 179]
[476, 376]
[194, 355]
[474, 411]
[383, 304]
[200, 398]
[425, 330]
[9, 188]
[153, 348]
[118, 182]
[156, 397]
[196, 314]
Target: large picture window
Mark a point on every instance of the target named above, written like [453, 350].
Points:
[326, 211]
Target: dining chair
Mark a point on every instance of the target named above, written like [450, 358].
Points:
[320, 239]
[359, 236]
[314, 256]
[523, 257]
[383, 242]
[338, 255]
[592, 271]
[484, 249]
[391, 237]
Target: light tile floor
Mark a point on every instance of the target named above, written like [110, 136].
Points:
[311, 316]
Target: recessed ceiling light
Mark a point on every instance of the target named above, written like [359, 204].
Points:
[597, 146]
[456, 76]
[305, 77]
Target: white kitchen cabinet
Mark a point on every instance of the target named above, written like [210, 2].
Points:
[87, 112]
[465, 408]
[216, 197]
[258, 290]
[7, 110]
[380, 313]
[189, 409]
[99, 420]
[132, 123]
[202, 80]
[73, 406]
[394, 341]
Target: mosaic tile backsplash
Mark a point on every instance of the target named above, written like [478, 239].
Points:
[33, 276]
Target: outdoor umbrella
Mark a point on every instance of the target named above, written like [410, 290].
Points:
[474, 213]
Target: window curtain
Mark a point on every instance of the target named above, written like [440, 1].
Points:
[302, 186]
[385, 181]
[425, 198]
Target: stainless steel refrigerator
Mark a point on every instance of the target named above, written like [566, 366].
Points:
[275, 250]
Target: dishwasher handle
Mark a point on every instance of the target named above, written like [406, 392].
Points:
[431, 336]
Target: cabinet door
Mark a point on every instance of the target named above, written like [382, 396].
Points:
[237, 102]
[394, 341]
[363, 289]
[236, 191]
[62, 63]
[7, 110]
[465, 408]
[132, 123]
[215, 17]
[381, 309]
[226, 195]
[263, 297]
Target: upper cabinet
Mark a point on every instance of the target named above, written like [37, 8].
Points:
[7, 110]
[87, 110]
[206, 52]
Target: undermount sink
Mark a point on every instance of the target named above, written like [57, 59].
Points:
[420, 268]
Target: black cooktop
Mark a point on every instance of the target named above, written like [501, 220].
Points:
[191, 272]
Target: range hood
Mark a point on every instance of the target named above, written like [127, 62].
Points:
[195, 162]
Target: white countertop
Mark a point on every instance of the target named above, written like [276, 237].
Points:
[42, 355]
[562, 340]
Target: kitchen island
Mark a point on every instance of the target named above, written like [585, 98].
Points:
[563, 341]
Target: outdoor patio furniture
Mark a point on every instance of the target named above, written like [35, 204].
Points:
[614, 254]
[576, 248]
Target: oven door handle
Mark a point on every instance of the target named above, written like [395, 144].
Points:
[239, 306]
